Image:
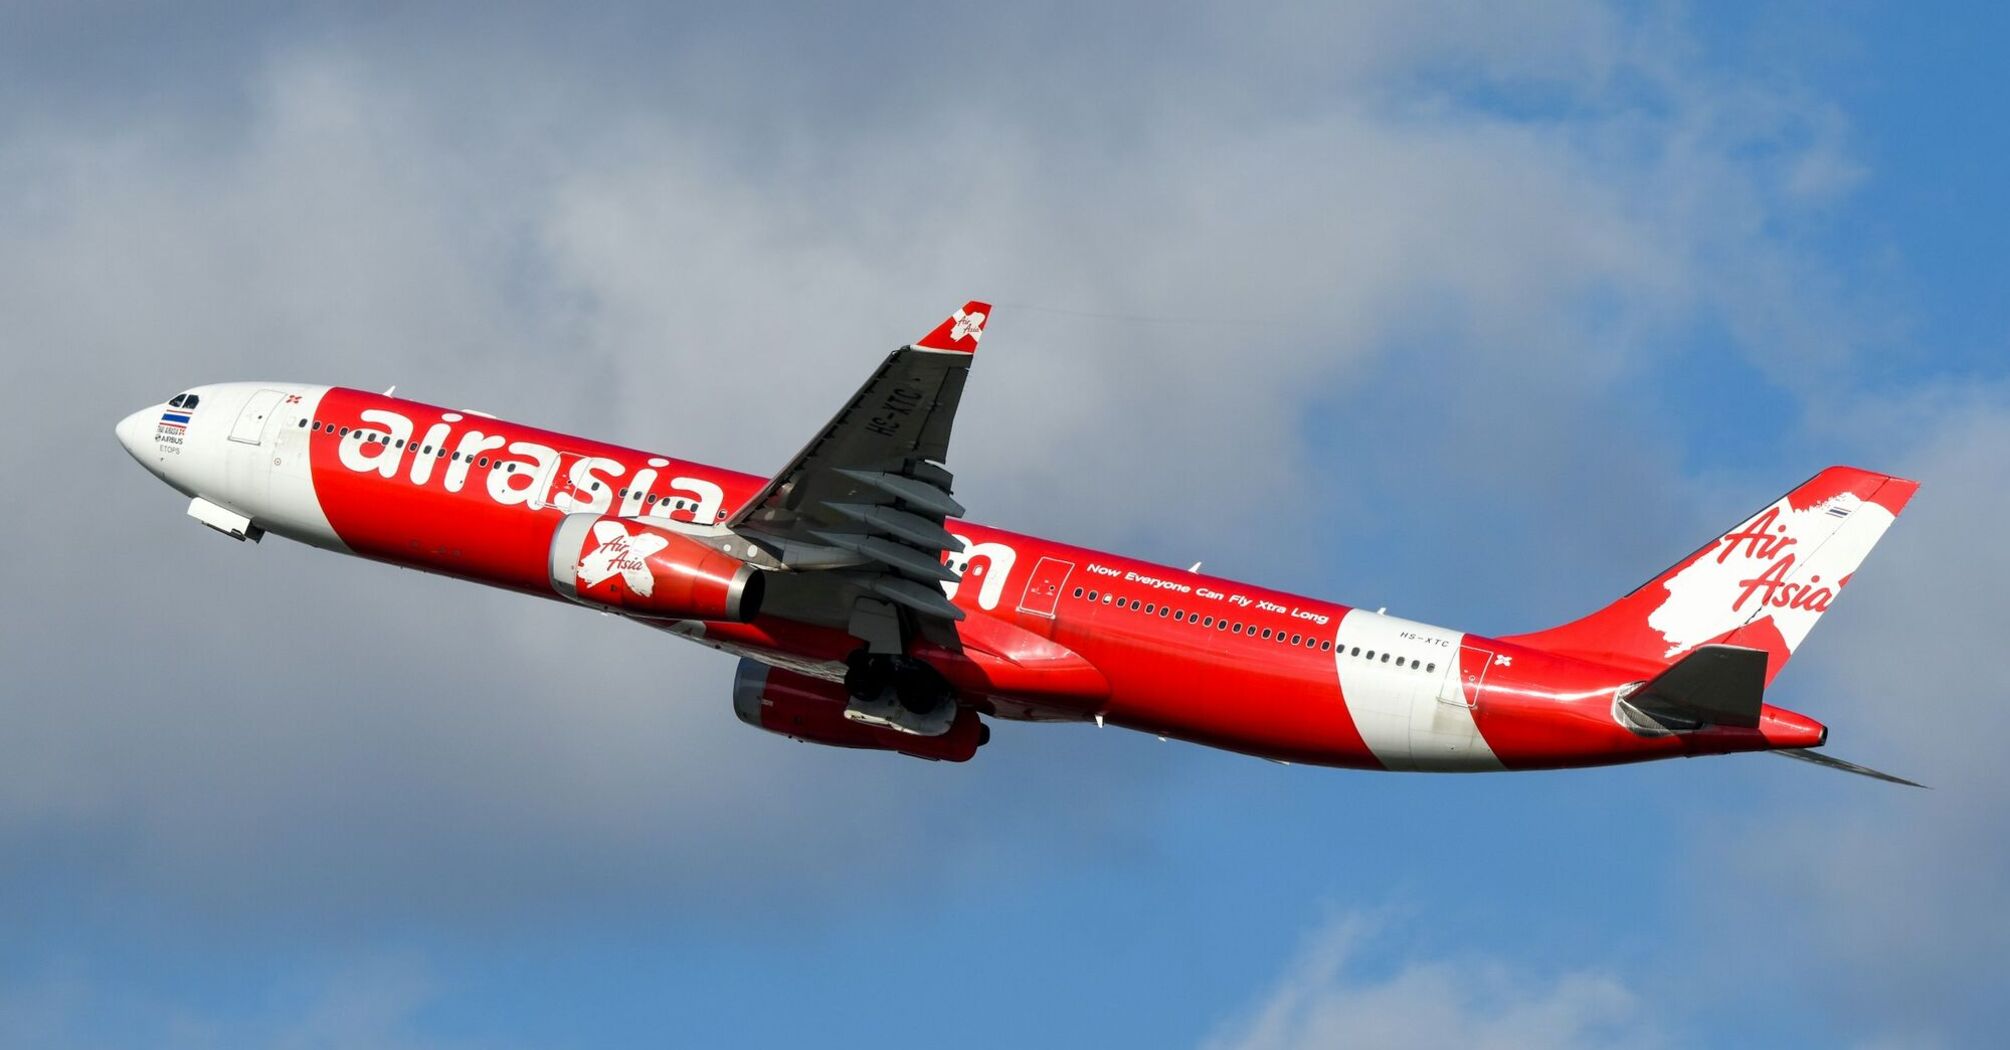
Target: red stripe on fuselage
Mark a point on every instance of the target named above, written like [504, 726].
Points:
[483, 521]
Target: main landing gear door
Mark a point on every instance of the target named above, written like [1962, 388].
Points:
[1043, 590]
[1462, 686]
[250, 426]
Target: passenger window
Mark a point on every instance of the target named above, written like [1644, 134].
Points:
[1429, 668]
[1078, 592]
[484, 462]
[345, 431]
[1136, 605]
[1385, 658]
[1356, 652]
[1092, 595]
[1325, 647]
[1371, 654]
[303, 422]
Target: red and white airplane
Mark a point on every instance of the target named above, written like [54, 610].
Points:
[866, 614]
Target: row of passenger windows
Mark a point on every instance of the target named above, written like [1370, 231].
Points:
[1248, 631]
[507, 466]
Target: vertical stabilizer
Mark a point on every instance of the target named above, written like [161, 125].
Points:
[1762, 585]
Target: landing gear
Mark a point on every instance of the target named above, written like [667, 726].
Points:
[899, 693]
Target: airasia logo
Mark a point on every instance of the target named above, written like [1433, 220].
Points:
[970, 324]
[520, 473]
[623, 555]
[1786, 563]
[1766, 539]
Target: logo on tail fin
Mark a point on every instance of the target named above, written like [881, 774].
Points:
[967, 324]
[1788, 563]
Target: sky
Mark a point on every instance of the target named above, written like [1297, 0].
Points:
[1480, 316]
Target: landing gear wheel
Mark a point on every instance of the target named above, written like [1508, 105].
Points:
[898, 693]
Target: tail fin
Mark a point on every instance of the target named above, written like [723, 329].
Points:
[1762, 585]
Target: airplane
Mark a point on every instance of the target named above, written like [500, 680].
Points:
[866, 613]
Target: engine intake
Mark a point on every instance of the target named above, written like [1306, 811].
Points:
[619, 563]
[812, 709]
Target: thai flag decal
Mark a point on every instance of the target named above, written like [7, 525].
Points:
[175, 418]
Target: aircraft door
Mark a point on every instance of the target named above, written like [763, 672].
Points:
[251, 420]
[577, 485]
[1043, 590]
[1466, 679]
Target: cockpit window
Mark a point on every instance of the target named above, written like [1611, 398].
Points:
[183, 401]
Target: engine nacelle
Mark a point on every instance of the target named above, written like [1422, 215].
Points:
[812, 709]
[619, 563]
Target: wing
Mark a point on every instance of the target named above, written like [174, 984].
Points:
[864, 502]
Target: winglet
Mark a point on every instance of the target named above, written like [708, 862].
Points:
[958, 334]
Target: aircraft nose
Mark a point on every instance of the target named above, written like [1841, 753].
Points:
[134, 430]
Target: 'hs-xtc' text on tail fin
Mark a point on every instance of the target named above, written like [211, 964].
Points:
[1761, 585]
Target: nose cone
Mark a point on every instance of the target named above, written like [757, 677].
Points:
[135, 431]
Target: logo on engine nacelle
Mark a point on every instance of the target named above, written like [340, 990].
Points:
[621, 554]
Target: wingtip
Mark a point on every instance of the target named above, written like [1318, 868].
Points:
[960, 332]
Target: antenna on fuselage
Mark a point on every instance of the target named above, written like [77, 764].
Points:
[1195, 568]
[389, 390]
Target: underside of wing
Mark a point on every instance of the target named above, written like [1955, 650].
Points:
[856, 519]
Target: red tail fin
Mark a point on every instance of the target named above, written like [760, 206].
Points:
[1761, 585]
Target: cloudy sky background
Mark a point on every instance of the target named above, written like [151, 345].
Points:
[1481, 317]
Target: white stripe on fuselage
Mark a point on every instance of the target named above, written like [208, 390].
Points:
[1397, 709]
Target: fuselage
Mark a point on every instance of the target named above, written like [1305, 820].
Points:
[1057, 632]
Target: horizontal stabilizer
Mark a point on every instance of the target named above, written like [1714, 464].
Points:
[1820, 759]
[1719, 685]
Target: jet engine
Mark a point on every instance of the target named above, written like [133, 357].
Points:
[812, 709]
[645, 570]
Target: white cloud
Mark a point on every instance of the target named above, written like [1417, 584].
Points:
[677, 249]
[1887, 896]
[1329, 996]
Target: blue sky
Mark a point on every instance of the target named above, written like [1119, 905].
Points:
[1481, 317]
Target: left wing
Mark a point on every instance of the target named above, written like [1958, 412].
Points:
[864, 502]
